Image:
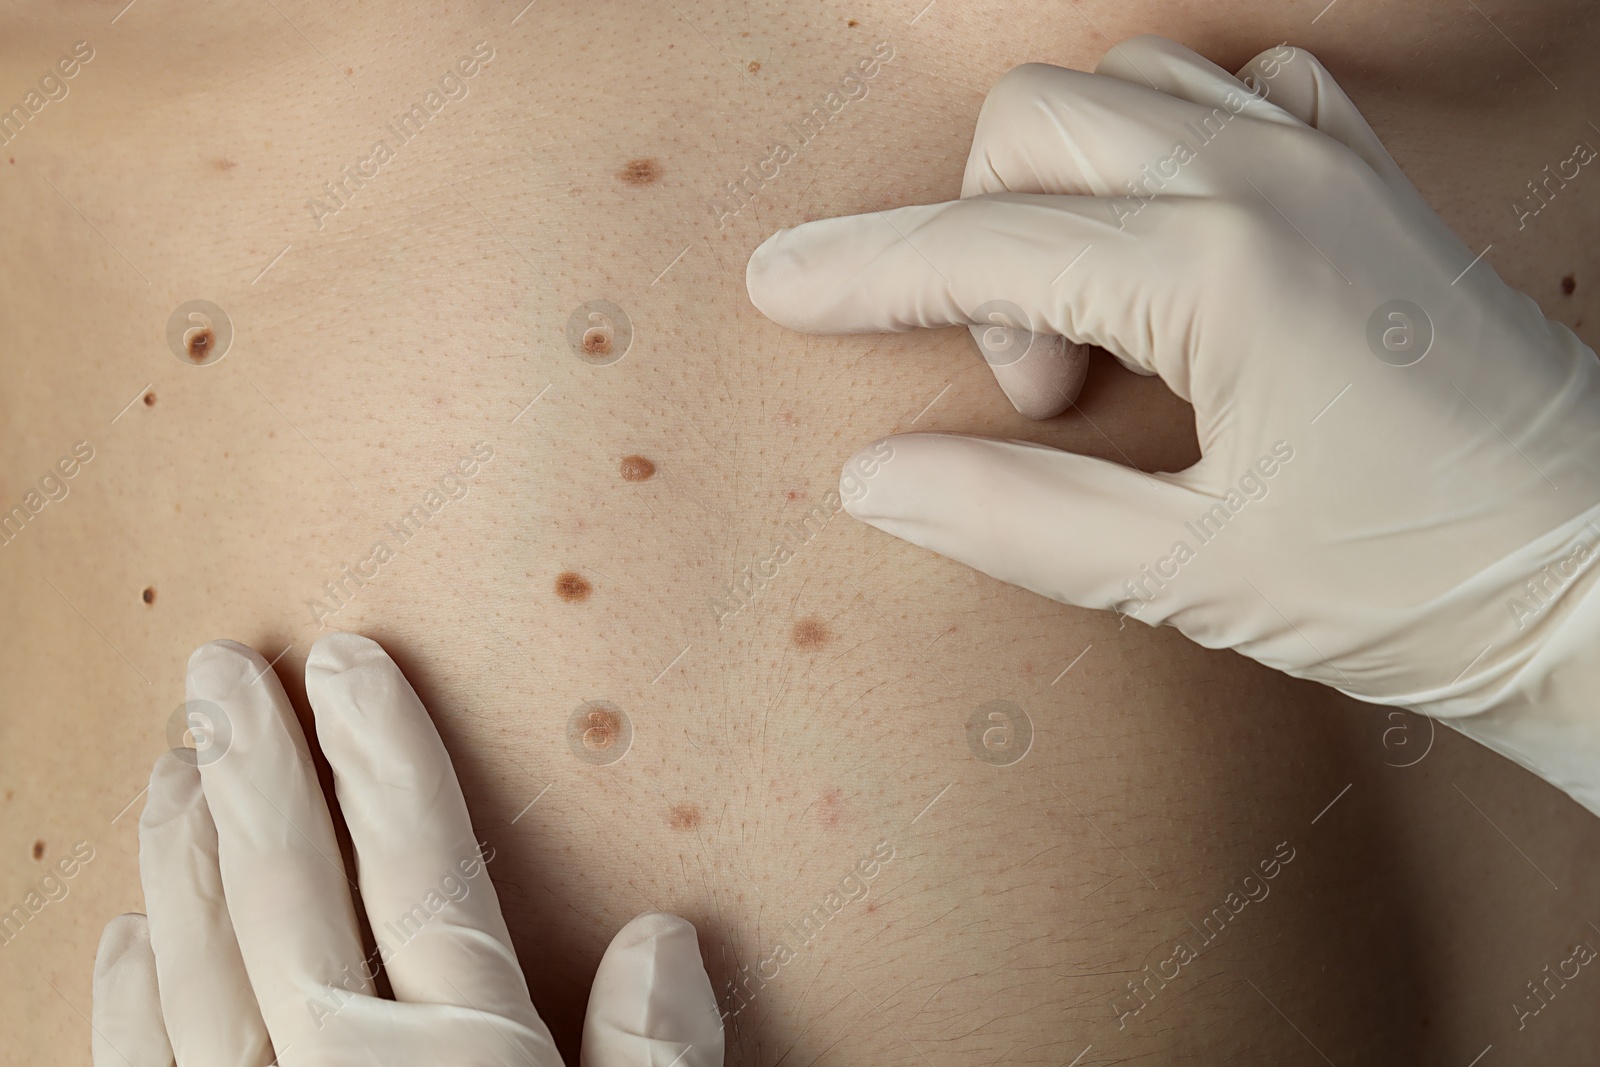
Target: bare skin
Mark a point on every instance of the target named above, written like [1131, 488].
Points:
[380, 337]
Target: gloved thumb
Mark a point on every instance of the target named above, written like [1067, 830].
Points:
[126, 1017]
[1076, 529]
[651, 1004]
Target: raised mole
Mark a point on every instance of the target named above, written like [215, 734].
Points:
[149, 594]
[1568, 285]
[38, 850]
[150, 400]
[637, 469]
[199, 343]
[573, 587]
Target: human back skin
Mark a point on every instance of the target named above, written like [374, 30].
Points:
[791, 722]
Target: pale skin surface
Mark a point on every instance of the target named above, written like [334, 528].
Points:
[770, 755]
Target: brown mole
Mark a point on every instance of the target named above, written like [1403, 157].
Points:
[640, 172]
[573, 587]
[683, 816]
[637, 469]
[755, 66]
[1568, 285]
[38, 850]
[852, 24]
[597, 342]
[603, 727]
[199, 343]
[149, 594]
[149, 400]
[810, 633]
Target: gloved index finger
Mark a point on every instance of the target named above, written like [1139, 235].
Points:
[286, 888]
[424, 883]
[1062, 265]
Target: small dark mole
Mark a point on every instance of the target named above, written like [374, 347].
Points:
[1569, 284]
[683, 816]
[755, 66]
[199, 344]
[38, 850]
[149, 400]
[572, 587]
[149, 594]
[637, 469]
[640, 172]
[852, 24]
[810, 633]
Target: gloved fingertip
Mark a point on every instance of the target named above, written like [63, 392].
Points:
[174, 788]
[338, 652]
[769, 275]
[126, 933]
[217, 668]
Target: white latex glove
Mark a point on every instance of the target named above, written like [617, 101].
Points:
[252, 938]
[1379, 524]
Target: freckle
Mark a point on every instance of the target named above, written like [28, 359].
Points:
[572, 587]
[177, 507]
[683, 816]
[199, 344]
[871, 907]
[755, 67]
[149, 400]
[637, 469]
[38, 850]
[1569, 284]
[149, 594]
[828, 811]
[223, 164]
[349, 70]
[810, 633]
[794, 494]
[640, 172]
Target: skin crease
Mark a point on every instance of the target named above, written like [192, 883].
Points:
[425, 317]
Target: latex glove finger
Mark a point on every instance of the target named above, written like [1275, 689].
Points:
[651, 1003]
[209, 1007]
[1068, 527]
[1280, 84]
[948, 264]
[1154, 62]
[427, 892]
[1025, 143]
[126, 1016]
[282, 873]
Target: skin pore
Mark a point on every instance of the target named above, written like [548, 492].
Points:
[672, 674]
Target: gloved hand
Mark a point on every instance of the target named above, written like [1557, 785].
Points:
[252, 947]
[1395, 499]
